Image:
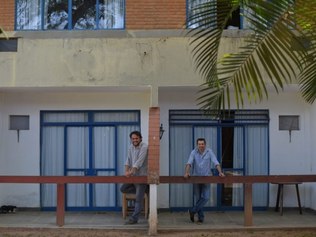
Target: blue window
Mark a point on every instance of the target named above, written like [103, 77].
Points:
[202, 13]
[69, 14]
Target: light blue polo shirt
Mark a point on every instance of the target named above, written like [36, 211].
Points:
[201, 163]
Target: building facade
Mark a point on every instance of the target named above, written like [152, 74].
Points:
[75, 79]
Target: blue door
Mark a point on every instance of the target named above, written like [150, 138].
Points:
[239, 140]
[85, 143]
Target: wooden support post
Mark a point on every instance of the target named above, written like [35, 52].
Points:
[248, 205]
[60, 209]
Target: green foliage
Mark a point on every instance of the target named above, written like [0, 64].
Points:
[278, 50]
[3, 32]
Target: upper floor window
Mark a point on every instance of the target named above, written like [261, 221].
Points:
[69, 14]
[202, 13]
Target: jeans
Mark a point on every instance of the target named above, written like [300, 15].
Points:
[201, 195]
[140, 190]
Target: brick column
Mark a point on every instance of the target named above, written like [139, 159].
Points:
[153, 167]
[153, 145]
[7, 15]
[155, 14]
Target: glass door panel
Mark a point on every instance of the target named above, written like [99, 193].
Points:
[104, 164]
[181, 195]
[210, 135]
[232, 146]
[77, 164]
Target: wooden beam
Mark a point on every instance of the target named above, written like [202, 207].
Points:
[239, 179]
[162, 179]
[72, 179]
[248, 205]
[60, 212]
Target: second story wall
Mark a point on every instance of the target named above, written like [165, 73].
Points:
[139, 14]
[85, 58]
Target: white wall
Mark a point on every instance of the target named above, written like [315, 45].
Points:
[313, 155]
[171, 98]
[286, 157]
[289, 158]
[23, 157]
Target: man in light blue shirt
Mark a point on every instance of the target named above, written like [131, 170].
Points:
[136, 165]
[200, 160]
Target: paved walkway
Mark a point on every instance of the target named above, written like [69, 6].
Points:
[229, 220]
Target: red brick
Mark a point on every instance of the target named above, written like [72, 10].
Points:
[155, 14]
[153, 145]
[7, 14]
[140, 14]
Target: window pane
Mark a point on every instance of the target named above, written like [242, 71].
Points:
[68, 15]
[84, 14]
[56, 14]
[199, 12]
[202, 13]
[28, 14]
[116, 117]
[64, 117]
[111, 14]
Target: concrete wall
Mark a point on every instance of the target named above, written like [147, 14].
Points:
[93, 59]
[104, 60]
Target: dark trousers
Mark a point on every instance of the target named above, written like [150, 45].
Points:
[139, 190]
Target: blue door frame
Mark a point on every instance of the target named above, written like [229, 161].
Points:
[196, 118]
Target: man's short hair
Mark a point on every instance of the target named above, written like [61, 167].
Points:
[200, 139]
[137, 133]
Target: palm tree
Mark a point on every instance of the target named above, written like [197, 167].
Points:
[279, 49]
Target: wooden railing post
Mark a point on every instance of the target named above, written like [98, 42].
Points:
[60, 208]
[248, 205]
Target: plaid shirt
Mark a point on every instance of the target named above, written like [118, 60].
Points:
[137, 158]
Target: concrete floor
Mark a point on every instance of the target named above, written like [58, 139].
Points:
[166, 220]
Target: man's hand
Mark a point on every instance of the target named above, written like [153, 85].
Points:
[187, 171]
[221, 174]
[186, 175]
[128, 173]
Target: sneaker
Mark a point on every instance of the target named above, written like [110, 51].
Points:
[199, 222]
[191, 216]
[130, 222]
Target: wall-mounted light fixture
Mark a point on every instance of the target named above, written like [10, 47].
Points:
[161, 131]
[19, 122]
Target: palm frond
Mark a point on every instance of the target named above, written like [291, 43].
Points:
[306, 21]
[273, 54]
[3, 32]
[206, 27]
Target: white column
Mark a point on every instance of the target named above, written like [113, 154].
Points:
[153, 217]
[154, 96]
